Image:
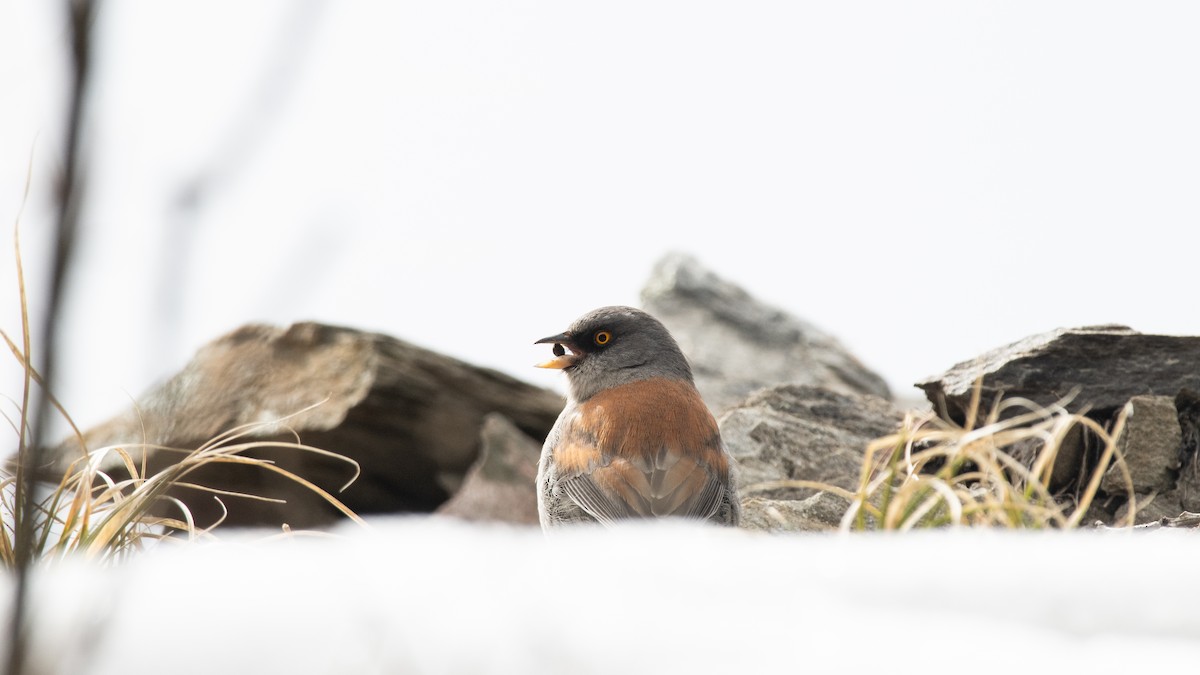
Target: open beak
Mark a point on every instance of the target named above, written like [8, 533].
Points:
[561, 359]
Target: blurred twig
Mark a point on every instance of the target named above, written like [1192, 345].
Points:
[232, 151]
[81, 16]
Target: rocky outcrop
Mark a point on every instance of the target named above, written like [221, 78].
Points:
[737, 344]
[409, 417]
[1102, 372]
[797, 432]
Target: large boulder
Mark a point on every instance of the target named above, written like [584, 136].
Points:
[409, 417]
[737, 344]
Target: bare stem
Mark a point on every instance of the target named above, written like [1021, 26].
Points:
[81, 15]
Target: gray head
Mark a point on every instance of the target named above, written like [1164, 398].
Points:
[612, 346]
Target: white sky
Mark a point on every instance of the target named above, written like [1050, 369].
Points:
[925, 180]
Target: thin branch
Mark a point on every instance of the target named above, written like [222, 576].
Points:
[81, 16]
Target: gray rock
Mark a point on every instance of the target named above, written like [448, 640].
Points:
[1151, 508]
[796, 432]
[500, 484]
[411, 418]
[821, 512]
[1187, 406]
[1150, 446]
[737, 344]
[1108, 365]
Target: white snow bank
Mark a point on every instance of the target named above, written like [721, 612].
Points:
[434, 596]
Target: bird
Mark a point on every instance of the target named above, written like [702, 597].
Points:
[635, 439]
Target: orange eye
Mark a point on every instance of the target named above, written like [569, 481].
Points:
[602, 338]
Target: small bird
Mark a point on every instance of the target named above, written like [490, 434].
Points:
[635, 439]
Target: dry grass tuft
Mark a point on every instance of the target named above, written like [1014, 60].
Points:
[88, 512]
[934, 473]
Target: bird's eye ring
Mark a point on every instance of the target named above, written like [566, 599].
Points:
[602, 338]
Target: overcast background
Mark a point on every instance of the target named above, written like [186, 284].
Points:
[925, 180]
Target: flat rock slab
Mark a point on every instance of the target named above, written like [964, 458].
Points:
[737, 344]
[796, 432]
[1107, 365]
[410, 417]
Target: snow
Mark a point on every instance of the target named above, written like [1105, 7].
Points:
[424, 595]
